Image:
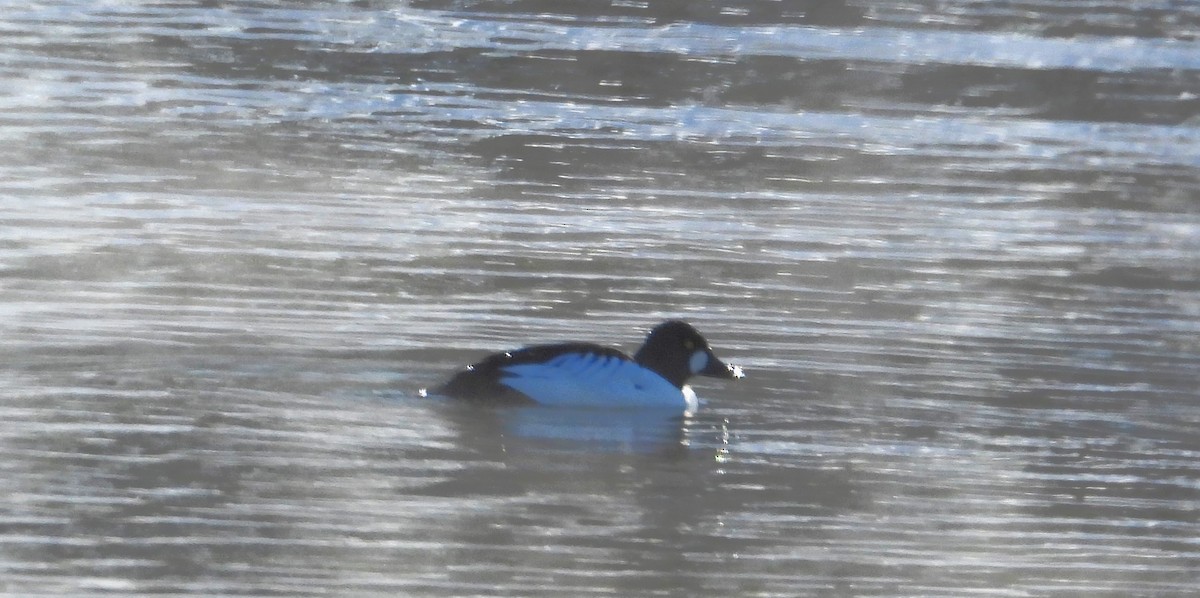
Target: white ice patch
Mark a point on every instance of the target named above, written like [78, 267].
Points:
[592, 380]
[698, 362]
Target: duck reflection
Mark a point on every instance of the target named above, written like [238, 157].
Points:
[637, 430]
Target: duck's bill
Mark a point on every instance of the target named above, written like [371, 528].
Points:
[719, 369]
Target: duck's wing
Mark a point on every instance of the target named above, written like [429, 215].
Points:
[483, 381]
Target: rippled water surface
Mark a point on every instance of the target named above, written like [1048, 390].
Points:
[954, 244]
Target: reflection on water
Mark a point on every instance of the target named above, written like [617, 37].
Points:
[598, 429]
[955, 244]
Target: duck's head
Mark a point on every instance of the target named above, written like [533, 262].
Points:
[677, 352]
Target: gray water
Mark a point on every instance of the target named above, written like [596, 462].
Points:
[954, 244]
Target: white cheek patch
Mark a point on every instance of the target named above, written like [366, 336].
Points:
[698, 362]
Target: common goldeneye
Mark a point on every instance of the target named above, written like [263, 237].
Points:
[587, 375]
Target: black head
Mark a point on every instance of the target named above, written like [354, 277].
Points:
[677, 352]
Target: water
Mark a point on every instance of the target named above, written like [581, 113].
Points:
[954, 245]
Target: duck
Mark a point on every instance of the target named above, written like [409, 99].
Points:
[580, 374]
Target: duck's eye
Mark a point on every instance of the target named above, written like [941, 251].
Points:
[689, 344]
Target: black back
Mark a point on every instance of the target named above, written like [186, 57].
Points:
[481, 381]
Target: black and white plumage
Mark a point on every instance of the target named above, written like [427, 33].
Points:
[585, 374]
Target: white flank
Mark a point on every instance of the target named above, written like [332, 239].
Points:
[591, 380]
